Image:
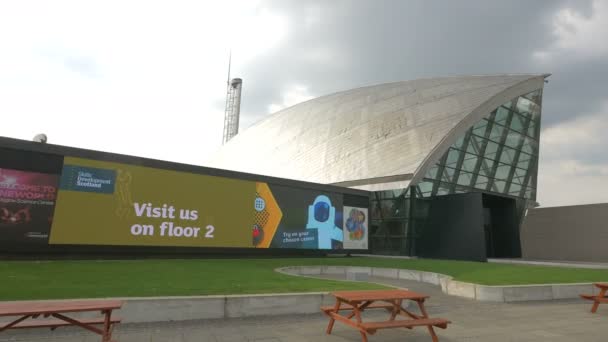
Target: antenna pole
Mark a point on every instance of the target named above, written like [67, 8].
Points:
[229, 63]
[233, 105]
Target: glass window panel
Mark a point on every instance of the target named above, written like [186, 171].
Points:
[425, 187]
[480, 128]
[526, 147]
[502, 172]
[515, 189]
[458, 144]
[468, 156]
[507, 155]
[534, 96]
[525, 106]
[519, 176]
[469, 162]
[486, 167]
[518, 180]
[508, 104]
[496, 133]
[502, 114]
[532, 129]
[464, 178]
[517, 123]
[491, 149]
[524, 156]
[481, 182]
[513, 139]
[533, 145]
[520, 173]
[536, 114]
[443, 189]
[432, 173]
[452, 158]
[448, 174]
[475, 144]
[480, 124]
[499, 186]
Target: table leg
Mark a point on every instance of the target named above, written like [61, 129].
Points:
[357, 312]
[330, 326]
[107, 326]
[396, 308]
[596, 303]
[425, 315]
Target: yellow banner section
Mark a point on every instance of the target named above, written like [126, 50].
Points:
[106, 203]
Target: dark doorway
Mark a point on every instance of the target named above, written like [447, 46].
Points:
[454, 228]
[501, 227]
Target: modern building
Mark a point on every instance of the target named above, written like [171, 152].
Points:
[451, 163]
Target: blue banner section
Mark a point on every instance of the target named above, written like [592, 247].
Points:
[87, 179]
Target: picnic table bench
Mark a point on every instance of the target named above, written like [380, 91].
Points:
[28, 314]
[600, 298]
[391, 300]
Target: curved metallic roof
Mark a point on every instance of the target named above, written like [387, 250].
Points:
[375, 137]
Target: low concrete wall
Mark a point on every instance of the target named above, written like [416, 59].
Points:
[166, 309]
[512, 293]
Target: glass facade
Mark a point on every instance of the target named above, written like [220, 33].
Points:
[498, 155]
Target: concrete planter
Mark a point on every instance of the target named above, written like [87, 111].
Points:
[511, 293]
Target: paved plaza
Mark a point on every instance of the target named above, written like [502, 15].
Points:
[564, 320]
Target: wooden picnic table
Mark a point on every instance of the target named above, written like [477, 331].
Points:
[28, 314]
[355, 302]
[597, 299]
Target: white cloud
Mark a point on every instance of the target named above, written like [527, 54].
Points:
[579, 34]
[293, 95]
[135, 77]
[572, 169]
[572, 182]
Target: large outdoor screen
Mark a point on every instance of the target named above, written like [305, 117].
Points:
[116, 204]
[27, 200]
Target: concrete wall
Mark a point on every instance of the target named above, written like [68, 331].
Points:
[572, 233]
[505, 293]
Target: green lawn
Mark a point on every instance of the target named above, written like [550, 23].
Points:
[87, 279]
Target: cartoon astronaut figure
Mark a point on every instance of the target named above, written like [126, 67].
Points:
[321, 216]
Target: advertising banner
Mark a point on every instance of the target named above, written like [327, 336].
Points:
[105, 203]
[355, 228]
[308, 219]
[27, 200]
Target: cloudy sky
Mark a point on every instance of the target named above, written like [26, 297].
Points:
[148, 78]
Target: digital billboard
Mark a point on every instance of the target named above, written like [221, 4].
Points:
[116, 204]
[310, 219]
[27, 200]
[355, 227]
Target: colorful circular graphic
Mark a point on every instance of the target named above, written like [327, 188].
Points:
[260, 204]
[355, 225]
